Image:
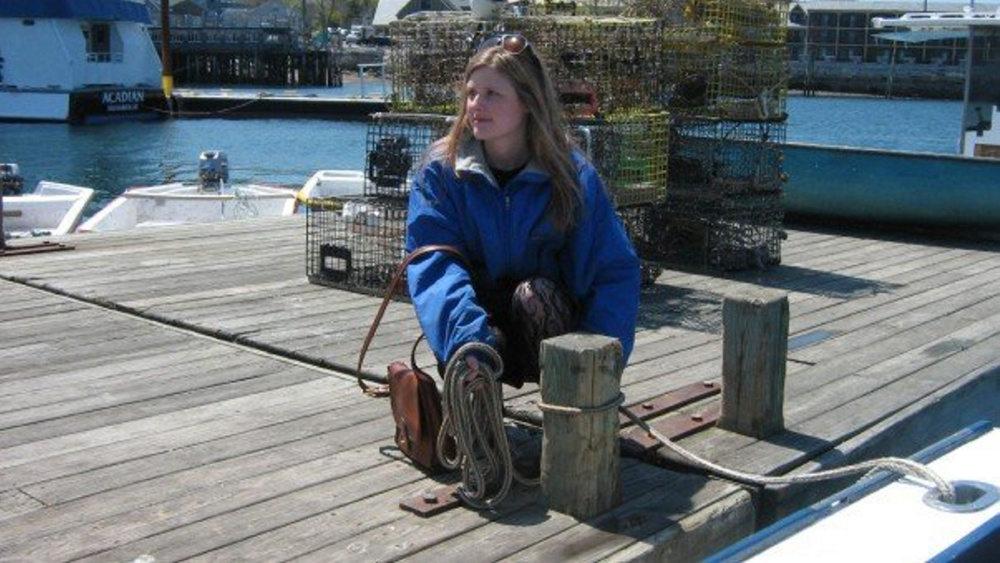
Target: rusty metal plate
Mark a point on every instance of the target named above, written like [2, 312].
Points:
[671, 400]
[636, 442]
[37, 248]
[434, 501]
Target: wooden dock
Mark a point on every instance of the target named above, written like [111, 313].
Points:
[181, 393]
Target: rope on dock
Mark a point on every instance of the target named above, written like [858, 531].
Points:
[178, 113]
[473, 418]
[898, 465]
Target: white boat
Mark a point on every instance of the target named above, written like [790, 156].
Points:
[212, 199]
[71, 60]
[886, 518]
[51, 209]
[333, 183]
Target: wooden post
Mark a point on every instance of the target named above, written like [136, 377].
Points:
[580, 461]
[754, 352]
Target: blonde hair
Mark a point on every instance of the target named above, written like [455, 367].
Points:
[547, 136]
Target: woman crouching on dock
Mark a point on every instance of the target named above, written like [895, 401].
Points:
[507, 188]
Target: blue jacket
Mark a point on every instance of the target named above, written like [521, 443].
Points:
[506, 234]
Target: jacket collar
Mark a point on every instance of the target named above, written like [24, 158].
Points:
[471, 159]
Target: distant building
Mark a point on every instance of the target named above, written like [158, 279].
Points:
[232, 13]
[833, 45]
[389, 11]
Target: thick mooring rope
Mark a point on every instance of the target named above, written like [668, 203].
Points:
[473, 418]
[898, 465]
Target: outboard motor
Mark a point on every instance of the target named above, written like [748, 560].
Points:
[11, 181]
[213, 170]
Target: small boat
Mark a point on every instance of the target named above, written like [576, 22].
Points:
[76, 60]
[51, 209]
[944, 193]
[212, 199]
[333, 184]
[888, 518]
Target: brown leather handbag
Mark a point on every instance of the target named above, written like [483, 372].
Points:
[413, 395]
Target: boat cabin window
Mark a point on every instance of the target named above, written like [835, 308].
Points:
[103, 46]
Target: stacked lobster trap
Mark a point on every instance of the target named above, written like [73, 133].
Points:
[680, 105]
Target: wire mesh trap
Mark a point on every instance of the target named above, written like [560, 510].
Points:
[600, 65]
[427, 59]
[631, 154]
[726, 157]
[706, 77]
[396, 146]
[725, 233]
[355, 244]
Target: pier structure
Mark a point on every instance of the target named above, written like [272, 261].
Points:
[169, 394]
[266, 56]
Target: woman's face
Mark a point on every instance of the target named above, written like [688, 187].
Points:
[493, 109]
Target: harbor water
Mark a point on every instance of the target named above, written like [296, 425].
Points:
[111, 157]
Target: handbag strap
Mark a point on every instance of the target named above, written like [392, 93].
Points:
[396, 278]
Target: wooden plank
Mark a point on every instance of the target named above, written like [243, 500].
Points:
[273, 543]
[243, 382]
[213, 443]
[14, 502]
[245, 522]
[75, 533]
[410, 535]
[76, 441]
[532, 534]
[143, 386]
[261, 421]
[69, 384]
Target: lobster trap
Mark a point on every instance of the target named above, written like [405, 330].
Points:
[709, 78]
[631, 154]
[427, 59]
[599, 65]
[741, 21]
[355, 244]
[577, 7]
[395, 147]
[727, 157]
[713, 231]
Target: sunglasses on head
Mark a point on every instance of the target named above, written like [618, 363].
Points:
[513, 43]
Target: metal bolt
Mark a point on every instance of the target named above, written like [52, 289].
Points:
[647, 406]
[696, 417]
[708, 384]
[430, 497]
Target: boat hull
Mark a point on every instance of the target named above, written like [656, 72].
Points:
[177, 204]
[52, 209]
[890, 188]
[81, 106]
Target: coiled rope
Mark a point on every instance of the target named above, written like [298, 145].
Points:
[473, 418]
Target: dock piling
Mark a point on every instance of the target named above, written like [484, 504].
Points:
[580, 470]
[754, 352]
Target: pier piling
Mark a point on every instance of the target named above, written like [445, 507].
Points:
[580, 381]
[754, 352]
